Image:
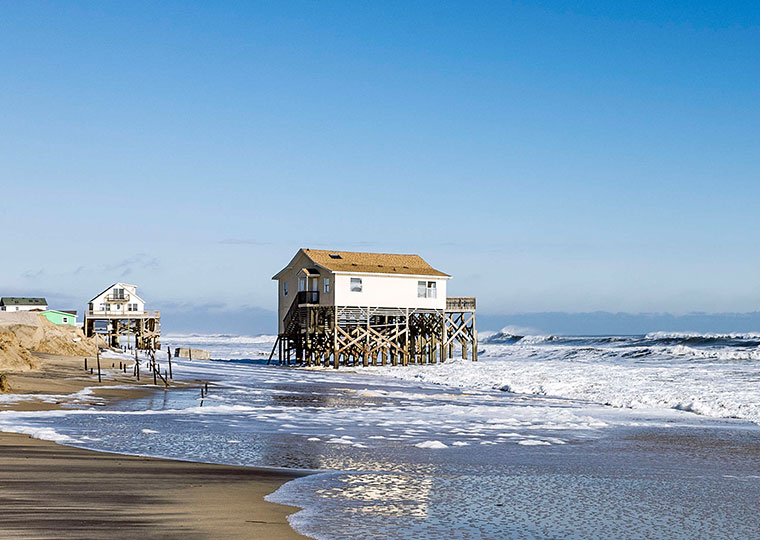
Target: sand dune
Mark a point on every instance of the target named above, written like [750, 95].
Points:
[24, 333]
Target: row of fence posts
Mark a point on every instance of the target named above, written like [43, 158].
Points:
[154, 366]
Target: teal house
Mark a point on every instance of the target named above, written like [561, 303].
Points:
[60, 317]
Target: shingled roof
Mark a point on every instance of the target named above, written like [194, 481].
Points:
[20, 301]
[373, 263]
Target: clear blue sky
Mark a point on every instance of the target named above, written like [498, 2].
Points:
[553, 156]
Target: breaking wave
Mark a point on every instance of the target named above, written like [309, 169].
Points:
[709, 374]
[652, 339]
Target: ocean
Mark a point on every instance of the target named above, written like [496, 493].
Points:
[545, 437]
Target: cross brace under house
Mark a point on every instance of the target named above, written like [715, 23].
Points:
[317, 335]
[141, 330]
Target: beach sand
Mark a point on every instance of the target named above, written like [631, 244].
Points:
[53, 491]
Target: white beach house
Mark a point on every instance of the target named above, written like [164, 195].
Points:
[345, 307]
[118, 312]
[15, 303]
[118, 299]
[345, 278]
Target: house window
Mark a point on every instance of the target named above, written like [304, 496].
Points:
[327, 285]
[131, 307]
[426, 289]
[356, 284]
[65, 319]
[102, 307]
[118, 294]
[284, 288]
[301, 284]
[108, 307]
[118, 306]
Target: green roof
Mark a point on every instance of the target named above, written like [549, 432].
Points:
[19, 301]
[64, 313]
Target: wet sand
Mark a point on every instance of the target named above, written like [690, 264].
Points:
[53, 491]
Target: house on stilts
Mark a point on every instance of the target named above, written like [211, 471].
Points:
[347, 308]
[119, 315]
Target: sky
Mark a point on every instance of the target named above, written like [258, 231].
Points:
[554, 157]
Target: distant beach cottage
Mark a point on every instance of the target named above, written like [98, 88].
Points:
[349, 307]
[13, 303]
[60, 317]
[118, 311]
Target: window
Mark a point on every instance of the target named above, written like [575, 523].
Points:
[327, 285]
[108, 307]
[301, 284]
[65, 319]
[118, 306]
[131, 307]
[356, 284]
[284, 288]
[118, 294]
[426, 289]
[103, 307]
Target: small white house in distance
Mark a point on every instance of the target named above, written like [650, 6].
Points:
[14, 303]
[118, 299]
[345, 278]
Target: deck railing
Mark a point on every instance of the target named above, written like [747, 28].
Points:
[460, 303]
[307, 297]
[119, 298]
[145, 314]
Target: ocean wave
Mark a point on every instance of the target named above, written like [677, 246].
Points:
[219, 338]
[652, 339]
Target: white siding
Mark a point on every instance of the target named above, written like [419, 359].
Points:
[116, 306]
[25, 308]
[388, 291]
[392, 291]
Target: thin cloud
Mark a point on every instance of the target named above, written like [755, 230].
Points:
[33, 274]
[243, 242]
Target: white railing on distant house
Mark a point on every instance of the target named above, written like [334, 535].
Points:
[144, 314]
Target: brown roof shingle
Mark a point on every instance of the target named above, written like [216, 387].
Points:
[374, 263]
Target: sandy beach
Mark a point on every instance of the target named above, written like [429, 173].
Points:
[53, 491]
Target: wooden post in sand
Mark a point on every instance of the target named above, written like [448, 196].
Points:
[85, 363]
[98, 355]
[168, 352]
